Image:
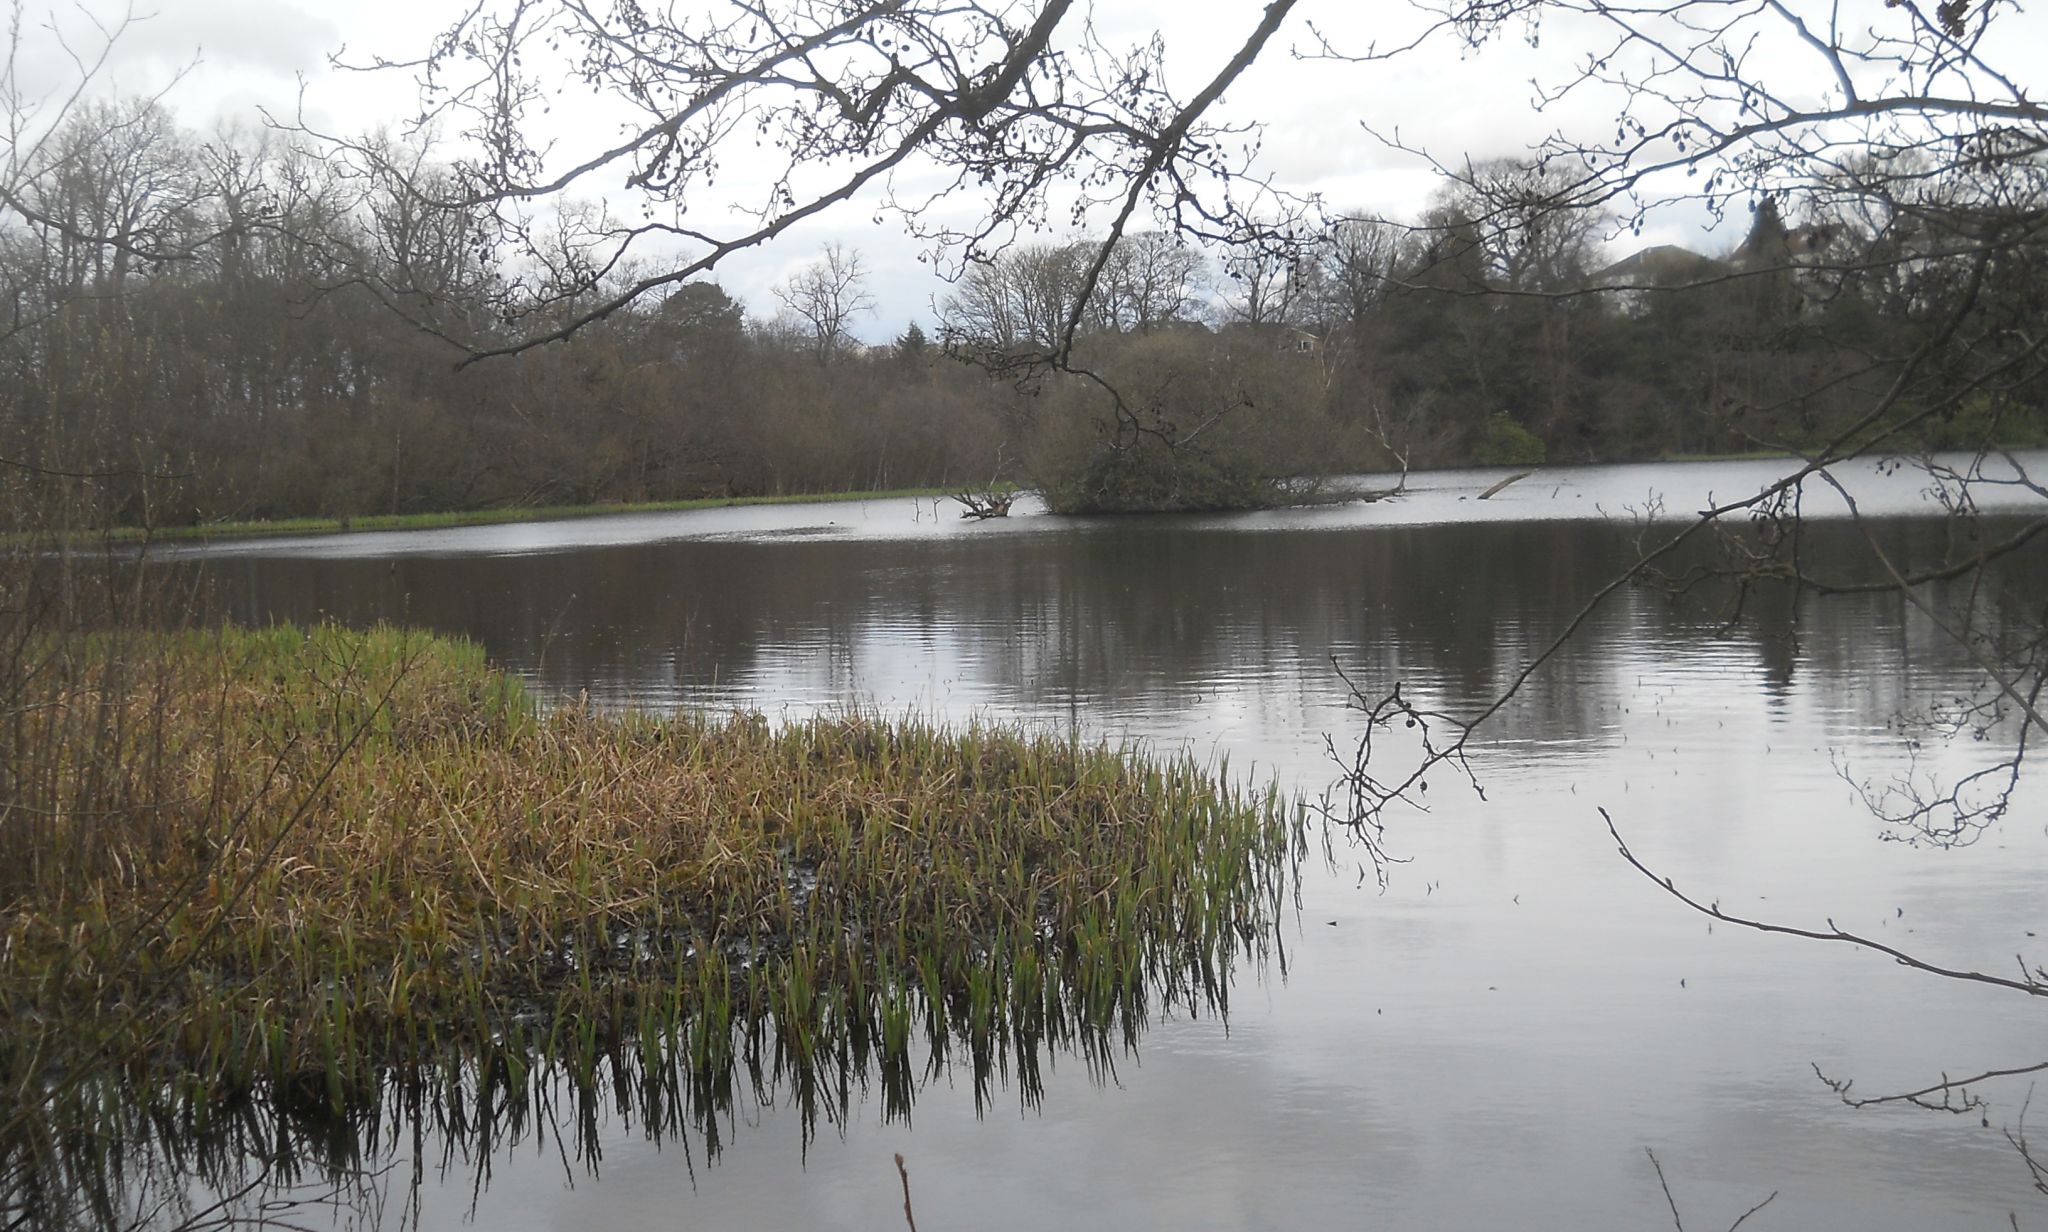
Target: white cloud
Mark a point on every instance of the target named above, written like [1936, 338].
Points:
[234, 37]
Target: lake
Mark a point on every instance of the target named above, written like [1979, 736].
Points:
[1493, 1039]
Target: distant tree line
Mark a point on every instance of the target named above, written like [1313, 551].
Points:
[205, 328]
[1494, 330]
[229, 326]
[1491, 330]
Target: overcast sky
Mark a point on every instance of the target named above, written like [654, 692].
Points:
[241, 55]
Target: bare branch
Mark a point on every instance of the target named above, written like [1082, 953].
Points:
[2032, 982]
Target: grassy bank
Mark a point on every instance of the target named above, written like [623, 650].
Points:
[305, 864]
[480, 517]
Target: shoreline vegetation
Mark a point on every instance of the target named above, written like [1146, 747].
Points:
[316, 870]
[517, 514]
[261, 528]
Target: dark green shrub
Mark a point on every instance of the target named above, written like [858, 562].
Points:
[1508, 443]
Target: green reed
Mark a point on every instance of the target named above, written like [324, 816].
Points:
[340, 872]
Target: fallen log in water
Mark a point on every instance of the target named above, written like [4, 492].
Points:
[1491, 492]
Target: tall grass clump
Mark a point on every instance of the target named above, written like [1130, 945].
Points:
[325, 869]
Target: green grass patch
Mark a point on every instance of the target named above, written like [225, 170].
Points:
[312, 867]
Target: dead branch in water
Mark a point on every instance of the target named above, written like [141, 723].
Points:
[1493, 491]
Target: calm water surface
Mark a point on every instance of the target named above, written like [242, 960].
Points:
[1492, 1041]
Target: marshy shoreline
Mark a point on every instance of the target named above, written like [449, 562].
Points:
[307, 865]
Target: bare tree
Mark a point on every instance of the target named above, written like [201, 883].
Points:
[58, 150]
[1018, 301]
[1532, 234]
[1014, 104]
[1026, 296]
[1263, 284]
[1152, 279]
[825, 296]
[1352, 269]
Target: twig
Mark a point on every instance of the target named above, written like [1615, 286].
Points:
[1947, 1088]
[1666, 1185]
[904, 1173]
[1744, 1217]
[2029, 983]
[1672, 1202]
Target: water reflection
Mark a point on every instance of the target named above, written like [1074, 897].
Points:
[266, 1159]
[1493, 1041]
[1158, 616]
